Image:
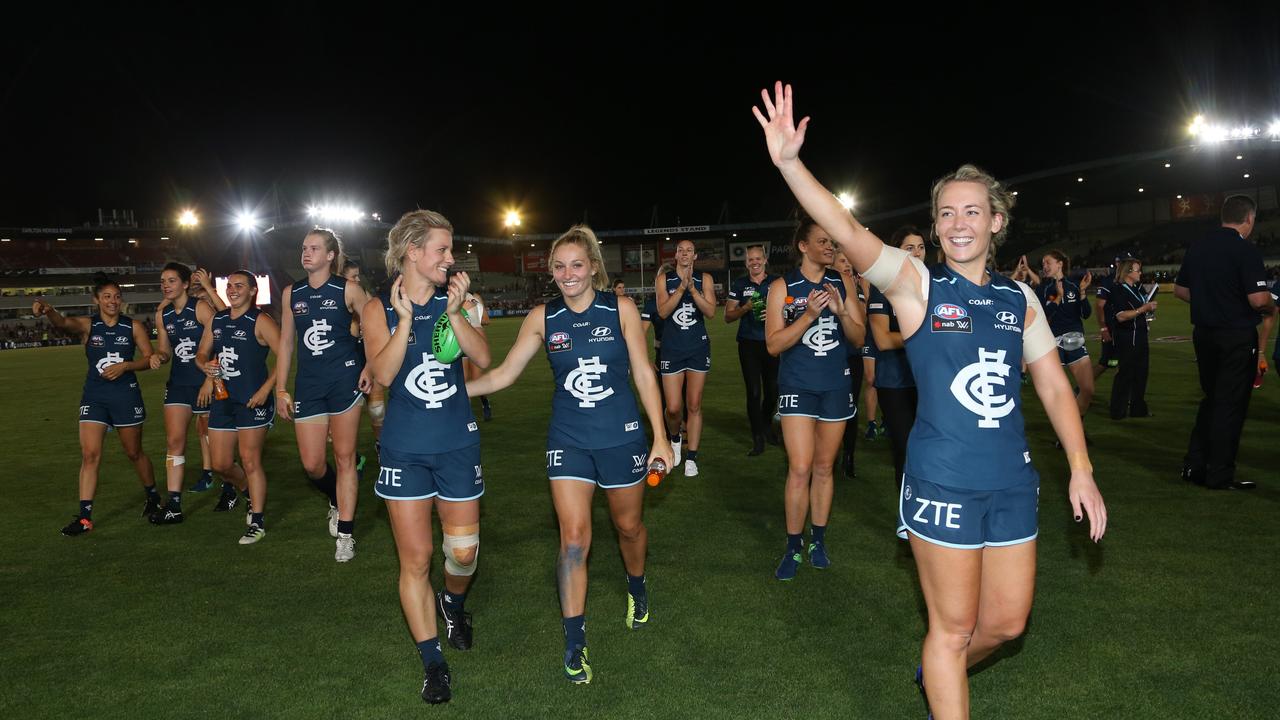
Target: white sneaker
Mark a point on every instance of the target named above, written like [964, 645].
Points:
[346, 548]
[690, 468]
[333, 521]
[252, 535]
[675, 450]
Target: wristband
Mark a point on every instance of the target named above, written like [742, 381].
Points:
[1079, 460]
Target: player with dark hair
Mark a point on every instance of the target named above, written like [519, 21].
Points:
[234, 351]
[685, 298]
[180, 325]
[1066, 307]
[111, 397]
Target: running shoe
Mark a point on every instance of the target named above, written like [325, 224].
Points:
[690, 468]
[637, 611]
[457, 625]
[871, 430]
[153, 504]
[881, 430]
[226, 501]
[818, 556]
[436, 685]
[78, 526]
[166, 516]
[204, 483]
[252, 535]
[789, 565]
[675, 450]
[345, 548]
[576, 667]
[333, 521]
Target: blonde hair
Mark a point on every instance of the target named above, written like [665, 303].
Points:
[411, 230]
[585, 238]
[333, 244]
[1000, 200]
[1125, 266]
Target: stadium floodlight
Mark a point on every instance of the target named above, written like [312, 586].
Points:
[1168, 165]
[1079, 179]
[1274, 129]
[1215, 133]
[1015, 193]
[1067, 203]
[188, 219]
[336, 213]
[511, 220]
[1239, 157]
[247, 222]
[846, 200]
[1142, 189]
[1246, 176]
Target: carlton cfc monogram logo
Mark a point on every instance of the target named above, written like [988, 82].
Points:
[111, 359]
[685, 316]
[978, 388]
[582, 383]
[227, 358]
[314, 338]
[422, 382]
[822, 336]
[185, 350]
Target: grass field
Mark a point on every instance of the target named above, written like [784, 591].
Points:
[1174, 615]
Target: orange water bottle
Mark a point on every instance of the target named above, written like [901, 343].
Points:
[219, 388]
[657, 471]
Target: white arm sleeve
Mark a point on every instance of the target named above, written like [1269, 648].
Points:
[1036, 340]
[884, 271]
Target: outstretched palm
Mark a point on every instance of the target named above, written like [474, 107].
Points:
[781, 134]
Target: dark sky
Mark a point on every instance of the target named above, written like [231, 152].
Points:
[609, 113]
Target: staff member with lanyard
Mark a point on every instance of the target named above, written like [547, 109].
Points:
[1223, 278]
[746, 305]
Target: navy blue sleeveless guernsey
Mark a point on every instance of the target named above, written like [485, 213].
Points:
[744, 290]
[322, 323]
[108, 345]
[685, 330]
[242, 358]
[967, 362]
[819, 360]
[184, 330]
[428, 410]
[1067, 313]
[593, 406]
[892, 368]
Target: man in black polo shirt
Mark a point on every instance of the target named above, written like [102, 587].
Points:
[1223, 278]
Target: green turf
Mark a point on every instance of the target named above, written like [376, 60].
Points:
[1174, 615]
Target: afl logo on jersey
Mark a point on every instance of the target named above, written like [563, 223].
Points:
[169, 328]
[685, 316]
[583, 383]
[424, 383]
[97, 341]
[950, 318]
[821, 337]
[314, 338]
[559, 342]
[979, 388]
[301, 308]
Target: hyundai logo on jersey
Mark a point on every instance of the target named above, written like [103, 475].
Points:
[1007, 317]
[600, 331]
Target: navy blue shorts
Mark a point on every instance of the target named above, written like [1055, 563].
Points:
[184, 395]
[698, 361]
[234, 415]
[610, 468]
[968, 519]
[333, 399]
[1070, 357]
[822, 405]
[869, 351]
[454, 476]
[123, 408]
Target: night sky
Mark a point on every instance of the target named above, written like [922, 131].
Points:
[608, 114]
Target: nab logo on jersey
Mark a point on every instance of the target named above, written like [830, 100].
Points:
[423, 382]
[185, 350]
[111, 359]
[314, 338]
[97, 341]
[301, 308]
[979, 386]
[821, 338]
[582, 383]
[950, 318]
[227, 358]
[685, 316]
[559, 342]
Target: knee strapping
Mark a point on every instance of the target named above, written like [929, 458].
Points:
[377, 411]
[175, 460]
[456, 546]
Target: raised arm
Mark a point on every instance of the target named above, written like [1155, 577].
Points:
[77, 325]
[666, 302]
[211, 296]
[527, 344]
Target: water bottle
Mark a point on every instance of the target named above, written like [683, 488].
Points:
[657, 471]
[219, 387]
